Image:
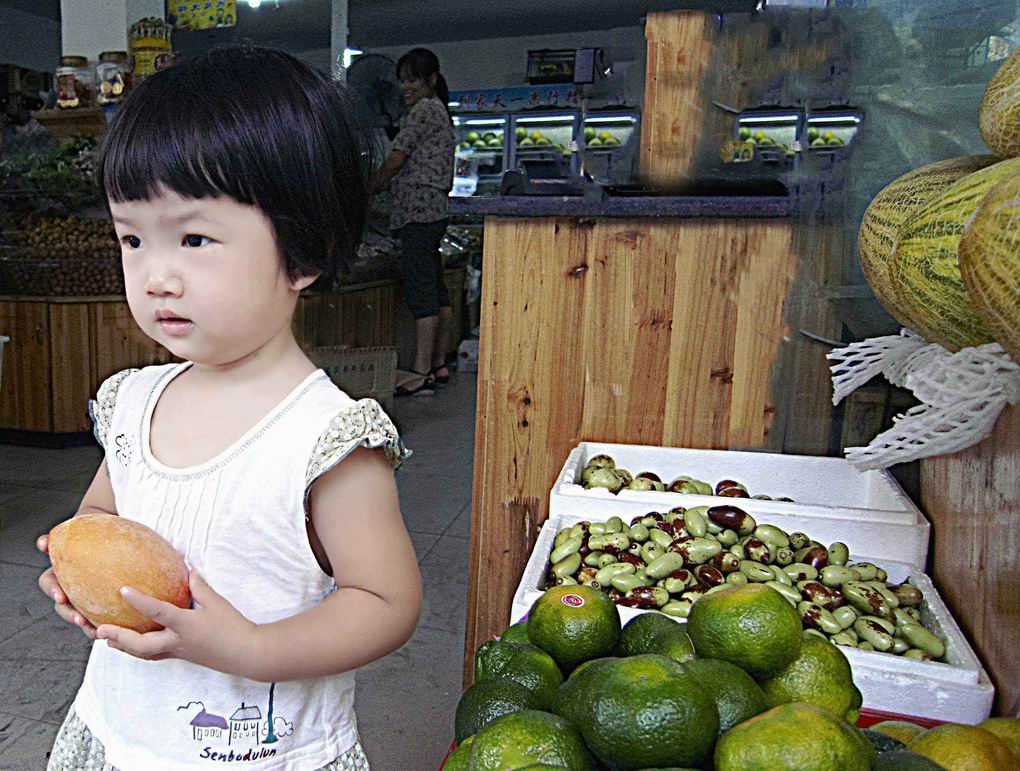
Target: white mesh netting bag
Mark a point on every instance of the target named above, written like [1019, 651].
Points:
[962, 394]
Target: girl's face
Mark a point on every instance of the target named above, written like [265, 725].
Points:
[414, 88]
[204, 277]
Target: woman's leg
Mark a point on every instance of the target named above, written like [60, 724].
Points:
[443, 330]
[426, 335]
[437, 363]
[418, 250]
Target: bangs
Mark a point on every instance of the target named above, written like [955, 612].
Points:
[170, 141]
[417, 64]
[255, 125]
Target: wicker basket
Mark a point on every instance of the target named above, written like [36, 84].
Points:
[60, 276]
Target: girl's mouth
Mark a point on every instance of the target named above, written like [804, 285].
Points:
[175, 326]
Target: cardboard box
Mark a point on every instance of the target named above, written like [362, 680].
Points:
[867, 510]
[360, 372]
[958, 690]
[467, 356]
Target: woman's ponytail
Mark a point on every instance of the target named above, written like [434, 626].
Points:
[443, 91]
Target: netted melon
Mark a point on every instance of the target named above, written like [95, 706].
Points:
[990, 262]
[924, 271]
[1000, 109]
[893, 205]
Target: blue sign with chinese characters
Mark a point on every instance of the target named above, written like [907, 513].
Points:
[558, 95]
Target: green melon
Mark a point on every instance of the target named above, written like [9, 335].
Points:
[893, 205]
[1000, 109]
[989, 257]
[924, 272]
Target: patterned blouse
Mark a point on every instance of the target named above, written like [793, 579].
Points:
[420, 189]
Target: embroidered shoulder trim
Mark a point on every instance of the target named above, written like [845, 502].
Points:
[363, 423]
[101, 408]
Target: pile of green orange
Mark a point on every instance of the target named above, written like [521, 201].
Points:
[739, 687]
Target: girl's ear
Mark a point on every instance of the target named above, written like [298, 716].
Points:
[432, 80]
[303, 282]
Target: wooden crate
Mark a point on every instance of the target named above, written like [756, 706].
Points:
[972, 499]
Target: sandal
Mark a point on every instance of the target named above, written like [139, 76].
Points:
[425, 388]
[441, 379]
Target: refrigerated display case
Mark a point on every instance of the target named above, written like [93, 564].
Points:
[610, 145]
[769, 134]
[540, 136]
[831, 130]
[481, 156]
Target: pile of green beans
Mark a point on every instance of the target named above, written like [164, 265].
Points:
[665, 562]
[602, 471]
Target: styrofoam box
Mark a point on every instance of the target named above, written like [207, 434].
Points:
[867, 510]
[956, 690]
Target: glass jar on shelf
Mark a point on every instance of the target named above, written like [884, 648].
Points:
[112, 77]
[149, 41]
[75, 83]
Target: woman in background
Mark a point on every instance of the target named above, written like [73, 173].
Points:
[419, 170]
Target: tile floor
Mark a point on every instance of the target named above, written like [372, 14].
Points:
[405, 702]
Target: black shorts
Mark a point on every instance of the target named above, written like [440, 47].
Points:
[424, 288]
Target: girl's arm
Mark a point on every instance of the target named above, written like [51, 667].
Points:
[98, 499]
[356, 516]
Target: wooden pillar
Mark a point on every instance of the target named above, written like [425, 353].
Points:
[679, 45]
[973, 501]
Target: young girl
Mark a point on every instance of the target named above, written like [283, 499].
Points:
[235, 180]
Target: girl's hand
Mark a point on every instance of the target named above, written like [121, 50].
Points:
[212, 634]
[51, 588]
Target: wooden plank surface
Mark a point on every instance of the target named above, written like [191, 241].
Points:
[661, 332]
[72, 375]
[698, 71]
[25, 390]
[805, 400]
[972, 499]
[117, 343]
[367, 317]
[62, 348]
[679, 47]
[530, 399]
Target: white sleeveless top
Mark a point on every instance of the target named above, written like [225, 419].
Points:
[239, 519]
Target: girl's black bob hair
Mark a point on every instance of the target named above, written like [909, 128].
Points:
[261, 127]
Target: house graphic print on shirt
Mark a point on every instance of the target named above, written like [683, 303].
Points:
[227, 738]
[207, 726]
[244, 725]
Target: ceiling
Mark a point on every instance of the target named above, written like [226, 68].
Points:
[48, 9]
[375, 23]
[304, 24]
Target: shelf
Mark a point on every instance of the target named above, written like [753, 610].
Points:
[67, 124]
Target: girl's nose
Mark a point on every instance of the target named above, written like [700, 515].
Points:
[164, 283]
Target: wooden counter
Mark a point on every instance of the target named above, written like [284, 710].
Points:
[660, 331]
[62, 348]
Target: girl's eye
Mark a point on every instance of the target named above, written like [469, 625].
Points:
[195, 241]
[131, 242]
